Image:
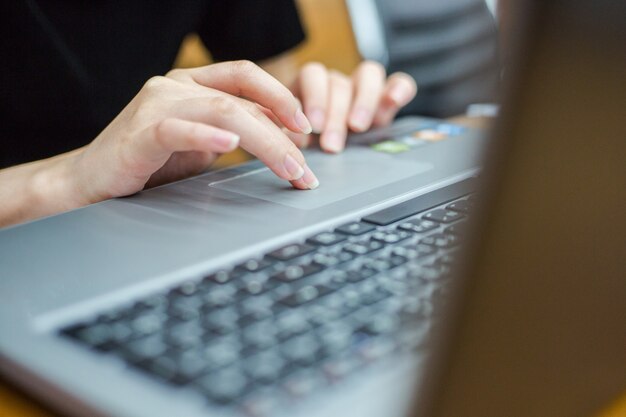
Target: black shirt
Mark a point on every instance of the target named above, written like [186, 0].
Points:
[70, 66]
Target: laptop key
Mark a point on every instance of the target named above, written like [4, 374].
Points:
[363, 248]
[462, 206]
[296, 272]
[292, 251]
[418, 225]
[440, 240]
[223, 386]
[355, 228]
[264, 367]
[326, 238]
[391, 237]
[443, 216]
[254, 265]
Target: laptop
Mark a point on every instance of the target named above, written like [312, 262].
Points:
[393, 289]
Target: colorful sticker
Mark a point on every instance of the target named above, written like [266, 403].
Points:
[390, 146]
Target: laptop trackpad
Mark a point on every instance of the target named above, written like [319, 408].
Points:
[341, 176]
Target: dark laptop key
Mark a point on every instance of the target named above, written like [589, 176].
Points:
[326, 238]
[440, 240]
[221, 351]
[291, 322]
[223, 386]
[355, 228]
[292, 251]
[185, 335]
[443, 216]
[335, 337]
[220, 296]
[391, 237]
[418, 225]
[264, 367]
[260, 335]
[254, 265]
[357, 275]
[363, 248]
[302, 296]
[296, 272]
[328, 260]
[462, 206]
[382, 324]
[258, 306]
[147, 324]
[179, 368]
[222, 277]
[222, 321]
[419, 204]
[186, 289]
[144, 349]
[301, 350]
[95, 336]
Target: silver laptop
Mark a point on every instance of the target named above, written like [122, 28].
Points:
[231, 294]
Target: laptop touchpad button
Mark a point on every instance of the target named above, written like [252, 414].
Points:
[341, 176]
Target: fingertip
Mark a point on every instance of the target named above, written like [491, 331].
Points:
[227, 141]
[332, 142]
[317, 118]
[360, 119]
[302, 122]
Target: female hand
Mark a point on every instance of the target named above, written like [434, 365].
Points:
[336, 103]
[178, 124]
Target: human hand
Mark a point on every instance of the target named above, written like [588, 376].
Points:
[179, 123]
[336, 103]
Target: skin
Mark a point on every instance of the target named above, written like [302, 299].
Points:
[178, 124]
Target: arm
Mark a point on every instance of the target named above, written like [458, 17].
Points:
[175, 127]
[38, 189]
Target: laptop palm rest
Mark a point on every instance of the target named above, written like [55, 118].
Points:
[336, 173]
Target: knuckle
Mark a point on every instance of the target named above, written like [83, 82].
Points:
[244, 67]
[175, 73]
[223, 105]
[155, 84]
[162, 128]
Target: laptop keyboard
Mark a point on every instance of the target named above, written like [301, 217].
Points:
[298, 319]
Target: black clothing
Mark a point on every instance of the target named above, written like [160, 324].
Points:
[70, 66]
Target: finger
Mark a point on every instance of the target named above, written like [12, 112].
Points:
[259, 135]
[333, 138]
[245, 79]
[313, 89]
[399, 91]
[301, 140]
[160, 140]
[369, 80]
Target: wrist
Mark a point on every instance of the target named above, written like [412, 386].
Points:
[54, 186]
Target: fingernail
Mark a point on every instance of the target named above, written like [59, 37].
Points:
[316, 116]
[398, 94]
[333, 142]
[303, 122]
[226, 140]
[360, 119]
[293, 168]
[309, 178]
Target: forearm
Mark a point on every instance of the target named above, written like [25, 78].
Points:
[38, 189]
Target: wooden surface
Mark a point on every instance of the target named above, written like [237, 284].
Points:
[330, 41]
